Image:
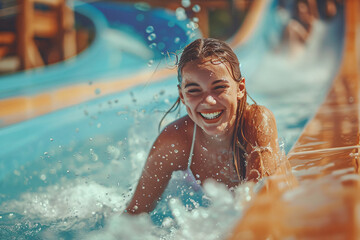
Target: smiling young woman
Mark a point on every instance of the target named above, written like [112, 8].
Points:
[222, 137]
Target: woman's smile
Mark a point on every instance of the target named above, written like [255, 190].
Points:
[211, 115]
[210, 95]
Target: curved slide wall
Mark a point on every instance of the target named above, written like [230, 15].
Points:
[120, 52]
[324, 198]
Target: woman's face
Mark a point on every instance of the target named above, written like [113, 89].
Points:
[210, 95]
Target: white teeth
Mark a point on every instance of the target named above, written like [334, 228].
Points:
[211, 115]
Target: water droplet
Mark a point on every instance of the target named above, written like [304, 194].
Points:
[180, 14]
[192, 25]
[150, 63]
[152, 36]
[43, 177]
[177, 40]
[152, 45]
[51, 139]
[97, 91]
[195, 19]
[149, 29]
[90, 139]
[196, 8]
[185, 3]
[176, 151]
[45, 153]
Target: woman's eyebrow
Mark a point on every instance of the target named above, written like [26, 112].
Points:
[219, 81]
[191, 84]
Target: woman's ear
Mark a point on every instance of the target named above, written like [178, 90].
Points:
[241, 89]
[181, 94]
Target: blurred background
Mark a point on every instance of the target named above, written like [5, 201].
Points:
[36, 33]
[84, 84]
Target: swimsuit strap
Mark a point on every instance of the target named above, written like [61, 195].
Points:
[192, 147]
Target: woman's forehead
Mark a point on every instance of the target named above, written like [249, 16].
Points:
[206, 68]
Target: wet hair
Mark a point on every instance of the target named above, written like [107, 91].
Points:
[201, 49]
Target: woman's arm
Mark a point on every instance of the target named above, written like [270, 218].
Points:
[263, 150]
[166, 156]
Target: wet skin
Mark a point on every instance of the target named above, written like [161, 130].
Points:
[210, 96]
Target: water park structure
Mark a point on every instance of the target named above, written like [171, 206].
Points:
[56, 121]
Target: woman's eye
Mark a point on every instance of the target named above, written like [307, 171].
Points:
[220, 87]
[193, 90]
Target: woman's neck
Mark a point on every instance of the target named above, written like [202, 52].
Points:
[222, 142]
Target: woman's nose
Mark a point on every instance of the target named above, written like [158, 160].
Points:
[210, 100]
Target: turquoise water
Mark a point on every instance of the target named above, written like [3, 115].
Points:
[69, 174]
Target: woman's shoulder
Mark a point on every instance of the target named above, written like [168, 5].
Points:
[181, 127]
[260, 124]
[258, 112]
[175, 142]
[177, 133]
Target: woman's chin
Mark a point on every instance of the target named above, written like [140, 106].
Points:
[215, 131]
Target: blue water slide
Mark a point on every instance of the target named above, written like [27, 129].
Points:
[120, 48]
[26, 142]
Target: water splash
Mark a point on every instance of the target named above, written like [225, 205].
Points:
[180, 14]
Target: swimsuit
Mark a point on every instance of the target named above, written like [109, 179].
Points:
[189, 176]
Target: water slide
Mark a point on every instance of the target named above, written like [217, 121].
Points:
[74, 166]
[120, 52]
[322, 203]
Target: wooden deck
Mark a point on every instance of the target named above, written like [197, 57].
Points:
[54, 26]
[322, 201]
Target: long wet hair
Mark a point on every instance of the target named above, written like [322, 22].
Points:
[208, 47]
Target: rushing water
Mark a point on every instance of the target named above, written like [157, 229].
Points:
[88, 158]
